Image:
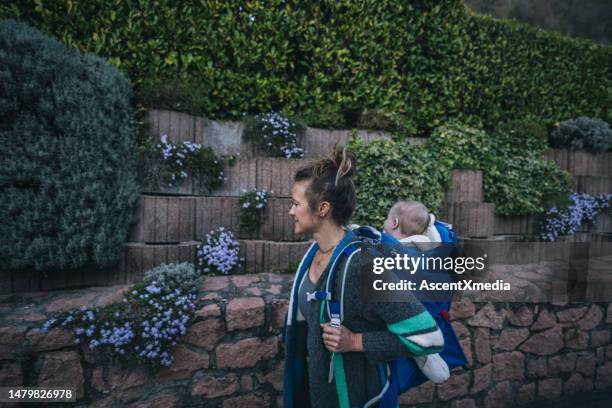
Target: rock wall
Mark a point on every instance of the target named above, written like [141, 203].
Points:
[231, 355]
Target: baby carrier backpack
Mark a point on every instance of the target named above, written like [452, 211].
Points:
[402, 374]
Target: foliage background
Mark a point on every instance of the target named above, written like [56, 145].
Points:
[427, 61]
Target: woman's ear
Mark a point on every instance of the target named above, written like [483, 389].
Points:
[324, 209]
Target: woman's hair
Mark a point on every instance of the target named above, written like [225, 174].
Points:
[331, 181]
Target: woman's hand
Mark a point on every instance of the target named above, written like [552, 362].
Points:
[340, 339]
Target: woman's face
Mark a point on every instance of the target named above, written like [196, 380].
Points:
[305, 220]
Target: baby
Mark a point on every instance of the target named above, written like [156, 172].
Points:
[410, 223]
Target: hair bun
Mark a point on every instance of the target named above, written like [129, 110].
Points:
[340, 164]
[344, 162]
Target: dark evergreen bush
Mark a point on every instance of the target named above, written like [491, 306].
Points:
[582, 133]
[68, 159]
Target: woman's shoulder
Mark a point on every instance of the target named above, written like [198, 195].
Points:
[357, 254]
[367, 249]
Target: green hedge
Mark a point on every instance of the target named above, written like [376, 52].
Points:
[426, 60]
[525, 73]
[515, 177]
[68, 187]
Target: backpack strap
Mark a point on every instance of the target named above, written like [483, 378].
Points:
[335, 312]
[333, 305]
[326, 295]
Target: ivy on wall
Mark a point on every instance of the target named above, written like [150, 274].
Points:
[515, 177]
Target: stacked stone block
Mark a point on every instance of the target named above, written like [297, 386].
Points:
[230, 356]
[523, 353]
[582, 163]
[464, 205]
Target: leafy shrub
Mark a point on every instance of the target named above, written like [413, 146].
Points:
[252, 207]
[146, 325]
[582, 133]
[389, 171]
[326, 120]
[168, 164]
[68, 162]
[524, 135]
[379, 120]
[456, 146]
[515, 177]
[218, 252]
[520, 72]
[292, 268]
[175, 95]
[566, 220]
[170, 277]
[275, 135]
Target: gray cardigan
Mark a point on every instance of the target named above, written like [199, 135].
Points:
[390, 330]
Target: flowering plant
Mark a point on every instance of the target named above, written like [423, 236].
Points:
[218, 252]
[583, 208]
[252, 206]
[173, 163]
[146, 325]
[275, 135]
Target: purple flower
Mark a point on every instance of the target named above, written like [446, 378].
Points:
[219, 250]
[583, 209]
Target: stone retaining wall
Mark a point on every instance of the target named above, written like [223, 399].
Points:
[173, 219]
[582, 163]
[231, 357]
[271, 174]
[471, 217]
[226, 137]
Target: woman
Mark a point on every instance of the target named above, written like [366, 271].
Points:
[342, 365]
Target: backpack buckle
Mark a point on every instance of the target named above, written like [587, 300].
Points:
[317, 295]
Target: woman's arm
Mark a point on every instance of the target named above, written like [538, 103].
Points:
[379, 346]
[407, 328]
[413, 334]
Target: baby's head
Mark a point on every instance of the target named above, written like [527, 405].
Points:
[406, 218]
